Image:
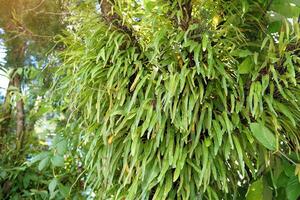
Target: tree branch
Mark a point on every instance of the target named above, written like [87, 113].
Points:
[113, 18]
[36, 7]
[187, 15]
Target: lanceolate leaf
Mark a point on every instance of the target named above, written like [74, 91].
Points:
[246, 66]
[165, 102]
[263, 135]
[52, 187]
[57, 161]
[292, 188]
[255, 191]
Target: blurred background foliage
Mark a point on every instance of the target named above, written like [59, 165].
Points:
[66, 134]
[47, 164]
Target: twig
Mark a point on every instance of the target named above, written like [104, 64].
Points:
[290, 160]
[14, 37]
[25, 30]
[32, 9]
[52, 13]
[269, 5]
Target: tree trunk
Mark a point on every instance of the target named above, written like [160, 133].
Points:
[5, 116]
[20, 114]
[15, 60]
[16, 46]
[6, 111]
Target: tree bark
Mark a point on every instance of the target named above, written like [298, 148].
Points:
[14, 60]
[112, 18]
[187, 14]
[20, 114]
[6, 111]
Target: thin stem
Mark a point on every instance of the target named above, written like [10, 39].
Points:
[290, 160]
[269, 5]
[37, 6]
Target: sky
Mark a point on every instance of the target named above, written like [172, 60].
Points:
[3, 76]
[3, 79]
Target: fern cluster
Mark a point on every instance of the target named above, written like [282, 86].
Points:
[192, 100]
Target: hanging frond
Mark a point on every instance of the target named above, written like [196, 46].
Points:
[181, 99]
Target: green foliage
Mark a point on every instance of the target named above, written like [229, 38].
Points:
[287, 8]
[161, 100]
[51, 174]
[263, 135]
[256, 191]
[181, 106]
[29, 28]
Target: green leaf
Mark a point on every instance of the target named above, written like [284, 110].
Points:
[240, 153]
[3, 174]
[288, 168]
[241, 53]
[246, 66]
[245, 6]
[293, 188]
[287, 8]
[255, 191]
[286, 111]
[43, 163]
[39, 157]
[64, 190]
[274, 27]
[52, 185]
[282, 180]
[263, 135]
[61, 147]
[204, 42]
[264, 42]
[168, 184]
[57, 161]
